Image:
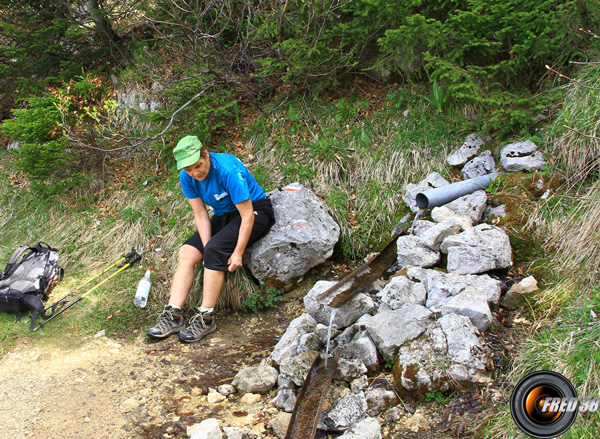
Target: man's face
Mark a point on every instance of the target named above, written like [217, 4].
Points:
[199, 170]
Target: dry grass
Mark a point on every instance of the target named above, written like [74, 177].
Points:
[577, 240]
[578, 145]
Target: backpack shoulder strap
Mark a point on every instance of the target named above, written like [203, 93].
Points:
[14, 258]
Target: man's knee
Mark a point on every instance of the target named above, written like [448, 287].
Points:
[189, 255]
[215, 256]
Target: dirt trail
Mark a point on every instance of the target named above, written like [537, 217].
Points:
[108, 388]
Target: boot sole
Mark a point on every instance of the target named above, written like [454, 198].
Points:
[171, 332]
[210, 331]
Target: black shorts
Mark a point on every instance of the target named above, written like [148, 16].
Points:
[225, 231]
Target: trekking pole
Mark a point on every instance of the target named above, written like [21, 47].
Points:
[116, 263]
[127, 261]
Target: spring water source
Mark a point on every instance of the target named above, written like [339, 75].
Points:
[418, 215]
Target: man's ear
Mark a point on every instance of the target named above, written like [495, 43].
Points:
[204, 153]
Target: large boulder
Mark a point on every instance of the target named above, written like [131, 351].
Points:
[302, 237]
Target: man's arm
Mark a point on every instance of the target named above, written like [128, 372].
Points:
[201, 219]
[247, 213]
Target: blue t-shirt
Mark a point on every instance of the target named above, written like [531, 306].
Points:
[228, 183]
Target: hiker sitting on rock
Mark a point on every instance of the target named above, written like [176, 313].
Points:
[242, 215]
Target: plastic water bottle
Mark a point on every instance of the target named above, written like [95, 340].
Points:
[143, 289]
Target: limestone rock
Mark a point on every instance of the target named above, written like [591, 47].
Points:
[400, 291]
[468, 149]
[302, 237]
[256, 379]
[522, 156]
[362, 348]
[349, 369]
[296, 368]
[280, 424]
[448, 355]
[207, 429]
[433, 236]
[390, 329]
[287, 346]
[468, 303]
[368, 428]
[477, 250]
[470, 206]
[346, 412]
[412, 251]
[417, 365]
[441, 287]
[380, 399]
[515, 296]
[483, 164]
[285, 400]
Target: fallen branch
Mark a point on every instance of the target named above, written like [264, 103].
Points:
[571, 79]
[144, 140]
[589, 136]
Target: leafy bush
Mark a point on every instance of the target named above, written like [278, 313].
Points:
[60, 132]
[263, 298]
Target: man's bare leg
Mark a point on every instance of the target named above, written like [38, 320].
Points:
[213, 284]
[184, 274]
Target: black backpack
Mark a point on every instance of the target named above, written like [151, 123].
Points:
[28, 279]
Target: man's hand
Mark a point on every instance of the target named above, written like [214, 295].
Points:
[234, 262]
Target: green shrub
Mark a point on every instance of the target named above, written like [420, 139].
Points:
[52, 161]
[263, 298]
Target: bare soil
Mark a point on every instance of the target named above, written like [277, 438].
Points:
[109, 388]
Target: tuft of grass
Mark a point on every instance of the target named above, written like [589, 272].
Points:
[577, 238]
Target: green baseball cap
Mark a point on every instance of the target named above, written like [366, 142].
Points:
[187, 151]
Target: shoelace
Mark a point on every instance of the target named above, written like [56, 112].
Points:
[197, 323]
[166, 320]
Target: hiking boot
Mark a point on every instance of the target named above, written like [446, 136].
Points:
[199, 326]
[169, 322]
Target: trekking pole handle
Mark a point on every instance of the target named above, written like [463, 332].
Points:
[132, 257]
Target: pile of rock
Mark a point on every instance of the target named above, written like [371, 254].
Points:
[427, 319]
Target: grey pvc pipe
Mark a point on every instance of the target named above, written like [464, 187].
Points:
[445, 194]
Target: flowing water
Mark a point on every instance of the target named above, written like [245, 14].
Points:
[333, 312]
[418, 215]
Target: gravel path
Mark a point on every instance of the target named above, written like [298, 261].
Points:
[106, 388]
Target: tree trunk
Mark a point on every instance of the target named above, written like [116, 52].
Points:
[105, 30]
